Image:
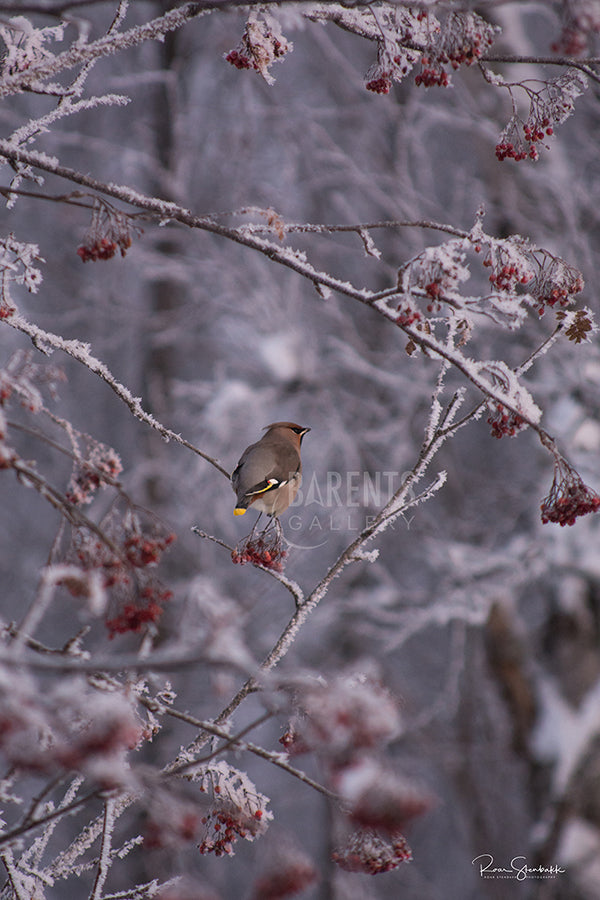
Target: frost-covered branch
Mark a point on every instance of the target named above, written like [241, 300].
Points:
[8, 836]
[104, 861]
[493, 379]
[231, 741]
[47, 342]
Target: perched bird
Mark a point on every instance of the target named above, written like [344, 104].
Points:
[269, 472]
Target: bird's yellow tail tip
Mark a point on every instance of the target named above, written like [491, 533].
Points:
[238, 511]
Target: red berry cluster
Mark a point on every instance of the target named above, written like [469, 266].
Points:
[407, 315]
[262, 551]
[507, 150]
[505, 276]
[227, 826]
[434, 289]
[171, 831]
[71, 747]
[342, 721]
[293, 743]
[258, 49]
[504, 422]
[133, 616]
[519, 148]
[569, 497]
[291, 876]
[432, 74]
[84, 484]
[142, 550]
[556, 283]
[239, 59]
[381, 84]
[388, 804]
[125, 560]
[465, 37]
[93, 553]
[573, 41]
[87, 477]
[369, 853]
[6, 310]
[110, 230]
[138, 549]
[103, 248]
[99, 739]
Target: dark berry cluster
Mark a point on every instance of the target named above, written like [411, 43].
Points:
[134, 615]
[103, 467]
[293, 743]
[504, 423]
[569, 497]
[556, 283]
[506, 274]
[224, 827]
[265, 551]
[110, 230]
[259, 47]
[290, 876]
[239, 59]
[432, 74]
[369, 853]
[102, 738]
[387, 805]
[574, 38]
[465, 38]
[407, 315]
[508, 150]
[525, 146]
[171, 831]
[124, 562]
[103, 248]
[144, 550]
[6, 309]
[380, 84]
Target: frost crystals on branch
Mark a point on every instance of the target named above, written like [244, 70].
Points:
[24, 44]
[519, 408]
[17, 260]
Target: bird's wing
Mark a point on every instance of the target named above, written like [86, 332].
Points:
[265, 466]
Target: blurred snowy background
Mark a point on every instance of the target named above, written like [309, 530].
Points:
[483, 622]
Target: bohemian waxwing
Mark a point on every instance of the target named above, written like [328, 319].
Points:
[269, 472]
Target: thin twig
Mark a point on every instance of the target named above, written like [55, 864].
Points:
[291, 586]
[234, 742]
[8, 836]
[46, 341]
[105, 845]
